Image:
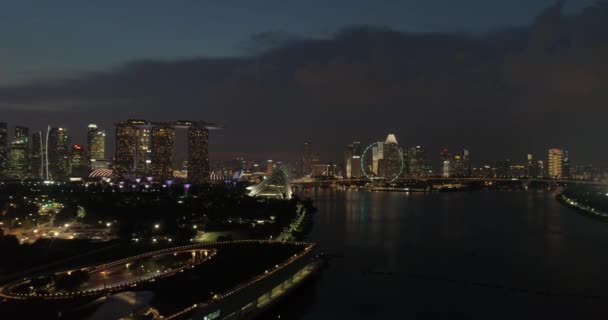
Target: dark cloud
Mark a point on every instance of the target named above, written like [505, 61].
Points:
[501, 94]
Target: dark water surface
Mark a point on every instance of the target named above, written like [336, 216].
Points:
[467, 255]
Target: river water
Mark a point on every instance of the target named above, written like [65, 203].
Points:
[463, 255]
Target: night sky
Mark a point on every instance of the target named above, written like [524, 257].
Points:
[501, 78]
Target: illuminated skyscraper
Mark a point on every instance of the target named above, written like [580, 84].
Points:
[356, 170]
[96, 143]
[3, 148]
[58, 154]
[348, 162]
[461, 164]
[143, 154]
[126, 145]
[392, 158]
[79, 166]
[534, 171]
[198, 155]
[269, 167]
[565, 164]
[416, 158]
[162, 152]
[133, 152]
[446, 166]
[555, 161]
[377, 157]
[18, 154]
[37, 156]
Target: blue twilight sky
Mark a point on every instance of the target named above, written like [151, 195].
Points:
[48, 39]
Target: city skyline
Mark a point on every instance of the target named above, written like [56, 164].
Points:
[148, 149]
[487, 92]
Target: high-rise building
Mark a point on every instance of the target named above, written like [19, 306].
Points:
[446, 166]
[555, 161]
[58, 153]
[198, 155]
[269, 167]
[3, 148]
[416, 159]
[377, 156]
[37, 156]
[133, 152]
[143, 154]
[96, 143]
[19, 154]
[392, 158]
[541, 169]
[461, 164]
[79, 166]
[356, 169]
[348, 162]
[162, 152]
[126, 146]
[566, 165]
[532, 167]
[503, 169]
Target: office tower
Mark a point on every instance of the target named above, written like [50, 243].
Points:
[566, 165]
[58, 153]
[555, 162]
[533, 168]
[143, 154]
[79, 166]
[356, 169]
[541, 169]
[3, 148]
[37, 156]
[19, 154]
[503, 169]
[446, 167]
[416, 158]
[126, 145]
[133, 147]
[348, 162]
[307, 161]
[392, 157]
[96, 143]
[198, 155]
[162, 152]
[461, 164]
[269, 167]
[377, 156]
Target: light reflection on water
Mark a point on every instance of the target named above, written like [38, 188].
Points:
[467, 255]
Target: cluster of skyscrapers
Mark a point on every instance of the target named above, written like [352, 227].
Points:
[143, 149]
[49, 155]
[387, 159]
[384, 159]
[146, 149]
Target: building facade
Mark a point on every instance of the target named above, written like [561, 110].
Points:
[555, 163]
[198, 155]
[96, 143]
[58, 153]
[163, 139]
[19, 154]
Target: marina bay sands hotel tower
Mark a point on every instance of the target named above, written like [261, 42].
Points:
[147, 149]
